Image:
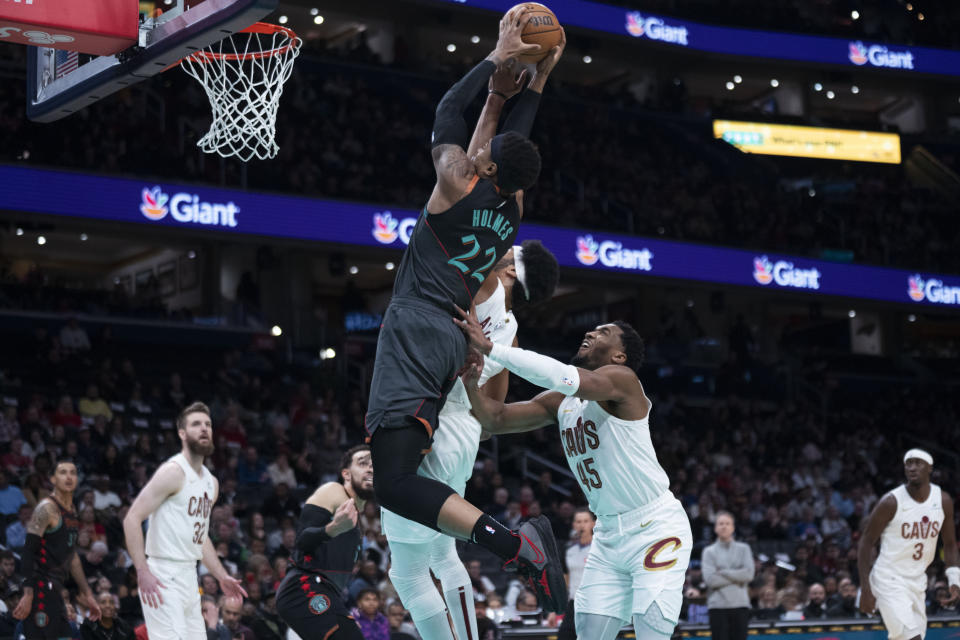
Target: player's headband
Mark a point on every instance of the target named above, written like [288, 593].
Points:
[521, 269]
[919, 454]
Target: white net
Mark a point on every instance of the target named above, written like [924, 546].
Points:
[243, 76]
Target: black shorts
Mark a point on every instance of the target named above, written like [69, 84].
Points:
[311, 605]
[419, 353]
[48, 615]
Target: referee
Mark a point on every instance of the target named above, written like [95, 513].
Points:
[727, 569]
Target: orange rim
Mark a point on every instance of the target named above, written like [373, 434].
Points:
[257, 27]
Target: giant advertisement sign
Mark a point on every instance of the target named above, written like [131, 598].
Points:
[200, 209]
[743, 42]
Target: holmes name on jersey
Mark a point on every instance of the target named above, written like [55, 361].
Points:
[199, 506]
[922, 530]
[496, 222]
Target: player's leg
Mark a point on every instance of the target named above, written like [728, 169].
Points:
[164, 622]
[457, 588]
[193, 623]
[593, 626]
[567, 630]
[652, 625]
[410, 576]
[602, 603]
[48, 614]
[314, 609]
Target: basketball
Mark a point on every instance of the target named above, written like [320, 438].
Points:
[543, 29]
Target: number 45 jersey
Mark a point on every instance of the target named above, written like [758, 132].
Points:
[613, 459]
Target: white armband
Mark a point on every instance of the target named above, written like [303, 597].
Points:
[539, 369]
[953, 576]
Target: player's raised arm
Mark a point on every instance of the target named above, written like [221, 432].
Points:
[517, 417]
[950, 555]
[525, 110]
[450, 133]
[503, 85]
[165, 482]
[881, 516]
[326, 514]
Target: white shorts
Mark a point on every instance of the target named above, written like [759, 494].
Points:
[179, 617]
[636, 559]
[449, 461]
[901, 602]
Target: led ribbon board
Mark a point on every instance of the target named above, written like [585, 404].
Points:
[809, 142]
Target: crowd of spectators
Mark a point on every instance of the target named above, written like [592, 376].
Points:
[616, 158]
[799, 481]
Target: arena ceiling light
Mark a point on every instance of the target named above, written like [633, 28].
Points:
[855, 14]
[451, 47]
[354, 270]
[41, 240]
[830, 95]
[475, 39]
[318, 20]
[389, 266]
[587, 59]
[282, 19]
[328, 354]
[854, 89]
[84, 237]
[730, 86]
[738, 78]
[19, 231]
[774, 83]
[314, 11]
[818, 87]
[276, 331]
[851, 314]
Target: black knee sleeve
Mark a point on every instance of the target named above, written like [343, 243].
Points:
[396, 455]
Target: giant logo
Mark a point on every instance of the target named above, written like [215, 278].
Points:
[187, 208]
[611, 253]
[878, 55]
[784, 274]
[387, 229]
[932, 290]
[655, 29]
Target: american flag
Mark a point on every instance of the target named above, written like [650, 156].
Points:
[65, 61]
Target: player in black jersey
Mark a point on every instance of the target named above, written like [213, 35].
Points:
[468, 224]
[47, 557]
[328, 542]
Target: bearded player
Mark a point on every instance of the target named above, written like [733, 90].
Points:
[47, 556]
[467, 225]
[526, 275]
[642, 541]
[177, 500]
[310, 598]
[907, 522]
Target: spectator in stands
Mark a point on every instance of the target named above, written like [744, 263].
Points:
[768, 605]
[281, 503]
[400, 622]
[93, 560]
[92, 405]
[66, 415]
[17, 531]
[8, 624]
[109, 626]
[482, 585]
[15, 461]
[847, 606]
[801, 560]
[9, 425]
[728, 568]
[8, 572]
[216, 630]
[772, 527]
[942, 604]
[266, 623]
[230, 610]
[373, 623]
[816, 603]
[367, 578]
[11, 497]
[280, 471]
[73, 337]
[251, 470]
[103, 497]
[835, 528]
[528, 610]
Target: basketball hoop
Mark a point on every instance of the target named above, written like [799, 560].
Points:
[243, 76]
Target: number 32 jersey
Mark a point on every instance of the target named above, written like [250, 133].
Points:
[177, 529]
[612, 458]
[909, 541]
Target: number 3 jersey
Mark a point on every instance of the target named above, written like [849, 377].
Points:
[909, 541]
[452, 253]
[177, 529]
[612, 458]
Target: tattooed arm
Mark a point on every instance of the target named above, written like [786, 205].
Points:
[43, 515]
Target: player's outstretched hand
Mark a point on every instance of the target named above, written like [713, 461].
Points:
[232, 588]
[471, 369]
[472, 329]
[90, 602]
[22, 610]
[149, 586]
[344, 519]
[545, 66]
[505, 79]
[868, 602]
[510, 42]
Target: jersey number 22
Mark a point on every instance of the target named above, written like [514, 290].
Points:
[472, 253]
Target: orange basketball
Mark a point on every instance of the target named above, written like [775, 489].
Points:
[543, 29]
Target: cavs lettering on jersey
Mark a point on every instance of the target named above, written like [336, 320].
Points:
[909, 542]
[177, 529]
[500, 327]
[613, 458]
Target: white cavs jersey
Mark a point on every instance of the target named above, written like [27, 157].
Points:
[613, 458]
[178, 527]
[455, 442]
[909, 542]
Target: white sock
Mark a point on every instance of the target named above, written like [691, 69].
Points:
[462, 611]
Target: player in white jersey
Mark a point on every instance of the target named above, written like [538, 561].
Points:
[907, 522]
[177, 500]
[642, 541]
[527, 274]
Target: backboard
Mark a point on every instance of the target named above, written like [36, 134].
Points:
[61, 82]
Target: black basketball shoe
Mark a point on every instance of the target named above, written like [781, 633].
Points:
[538, 561]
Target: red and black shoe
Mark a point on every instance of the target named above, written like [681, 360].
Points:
[538, 561]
